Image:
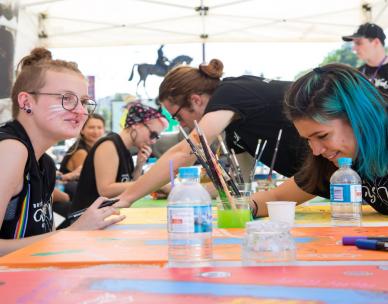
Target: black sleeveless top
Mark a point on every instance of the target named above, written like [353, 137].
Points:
[30, 212]
[87, 188]
[79, 145]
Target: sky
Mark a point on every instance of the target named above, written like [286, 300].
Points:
[112, 66]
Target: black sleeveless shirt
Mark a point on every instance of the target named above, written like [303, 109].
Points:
[79, 145]
[30, 212]
[87, 188]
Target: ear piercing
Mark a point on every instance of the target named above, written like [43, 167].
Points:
[28, 111]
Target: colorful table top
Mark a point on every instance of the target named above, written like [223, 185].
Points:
[122, 284]
[149, 247]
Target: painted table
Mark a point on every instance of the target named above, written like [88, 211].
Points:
[149, 247]
[275, 284]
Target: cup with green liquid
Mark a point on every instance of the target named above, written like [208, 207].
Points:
[229, 217]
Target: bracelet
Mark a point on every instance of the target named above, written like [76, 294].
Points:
[255, 209]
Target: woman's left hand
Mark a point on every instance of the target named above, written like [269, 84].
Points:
[143, 154]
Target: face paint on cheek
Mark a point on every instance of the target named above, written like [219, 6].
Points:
[55, 111]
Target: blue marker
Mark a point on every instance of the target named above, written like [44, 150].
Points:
[372, 245]
[351, 240]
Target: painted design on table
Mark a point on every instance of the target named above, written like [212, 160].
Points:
[73, 248]
[109, 284]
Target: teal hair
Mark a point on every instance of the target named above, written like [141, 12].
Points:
[339, 91]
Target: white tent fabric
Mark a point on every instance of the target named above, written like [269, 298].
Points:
[84, 23]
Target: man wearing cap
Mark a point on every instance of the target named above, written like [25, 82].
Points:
[369, 46]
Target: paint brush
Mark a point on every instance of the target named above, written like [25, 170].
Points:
[172, 177]
[239, 176]
[233, 168]
[252, 174]
[200, 157]
[213, 164]
[275, 154]
[229, 180]
[257, 160]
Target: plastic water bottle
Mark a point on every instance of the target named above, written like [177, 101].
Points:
[345, 195]
[59, 184]
[189, 218]
[150, 162]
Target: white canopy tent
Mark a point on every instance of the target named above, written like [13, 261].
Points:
[86, 23]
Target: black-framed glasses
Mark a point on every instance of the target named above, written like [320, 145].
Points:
[174, 116]
[153, 134]
[70, 101]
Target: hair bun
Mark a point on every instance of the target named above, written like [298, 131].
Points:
[213, 69]
[36, 55]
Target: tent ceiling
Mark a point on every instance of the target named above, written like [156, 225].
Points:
[79, 23]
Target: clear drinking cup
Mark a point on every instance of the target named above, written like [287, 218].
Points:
[268, 242]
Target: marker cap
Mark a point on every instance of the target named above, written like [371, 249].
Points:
[351, 240]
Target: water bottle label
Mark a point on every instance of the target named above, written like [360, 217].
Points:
[193, 219]
[345, 193]
[60, 186]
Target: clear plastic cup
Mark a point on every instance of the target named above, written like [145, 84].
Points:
[267, 243]
[282, 211]
[265, 185]
[246, 189]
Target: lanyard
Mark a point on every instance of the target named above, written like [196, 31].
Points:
[377, 69]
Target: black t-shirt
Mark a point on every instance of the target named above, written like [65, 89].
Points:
[87, 188]
[30, 212]
[257, 104]
[379, 79]
[79, 145]
[374, 192]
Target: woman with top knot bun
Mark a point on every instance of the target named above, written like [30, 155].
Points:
[49, 104]
[247, 108]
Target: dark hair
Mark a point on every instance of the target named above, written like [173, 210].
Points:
[339, 91]
[183, 81]
[31, 73]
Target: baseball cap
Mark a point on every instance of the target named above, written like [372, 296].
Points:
[367, 30]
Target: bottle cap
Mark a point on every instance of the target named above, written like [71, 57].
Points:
[344, 161]
[188, 172]
[152, 160]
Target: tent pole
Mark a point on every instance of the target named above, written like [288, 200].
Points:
[203, 52]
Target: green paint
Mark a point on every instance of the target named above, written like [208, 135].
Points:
[57, 252]
[233, 218]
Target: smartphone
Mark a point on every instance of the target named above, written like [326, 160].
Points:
[109, 202]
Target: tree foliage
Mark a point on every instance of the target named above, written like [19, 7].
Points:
[342, 55]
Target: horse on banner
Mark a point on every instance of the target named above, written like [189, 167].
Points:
[146, 69]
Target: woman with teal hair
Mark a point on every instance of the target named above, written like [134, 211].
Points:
[340, 114]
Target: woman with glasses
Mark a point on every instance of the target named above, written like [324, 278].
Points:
[49, 104]
[247, 108]
[109, 168]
